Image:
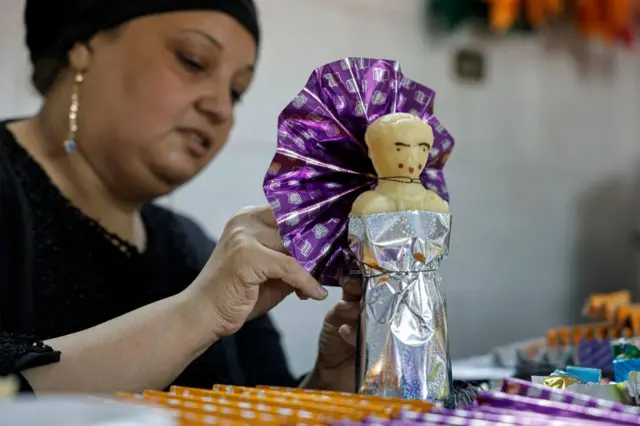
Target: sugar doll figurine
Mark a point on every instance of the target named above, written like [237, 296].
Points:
[399, 145]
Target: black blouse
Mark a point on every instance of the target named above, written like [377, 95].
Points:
[62, 272]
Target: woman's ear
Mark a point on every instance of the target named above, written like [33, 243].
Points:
[80, 57]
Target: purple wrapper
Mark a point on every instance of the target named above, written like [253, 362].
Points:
[348, 424]
[321, 164]
[522, 414]
[441, 419]
[537, 416]
[553, 408]
[494, 410]
[514, 386]
[444, 419]
[498, 416]
[382, 422]
[595, 354]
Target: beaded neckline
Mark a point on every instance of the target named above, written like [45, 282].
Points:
[31, 167]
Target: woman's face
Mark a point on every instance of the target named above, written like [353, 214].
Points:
[158, 98]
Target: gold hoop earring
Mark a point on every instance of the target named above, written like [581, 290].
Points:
[70, 144]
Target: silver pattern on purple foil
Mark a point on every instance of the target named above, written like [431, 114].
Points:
[505, 417]
[321, 164]
[404, 345]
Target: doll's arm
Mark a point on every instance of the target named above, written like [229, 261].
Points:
[432, 202]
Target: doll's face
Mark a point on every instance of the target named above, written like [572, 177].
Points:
[399, 145]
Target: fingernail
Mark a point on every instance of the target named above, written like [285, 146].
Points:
[345, 330]
[322, 292]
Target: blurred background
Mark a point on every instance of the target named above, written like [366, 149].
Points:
[545, 177]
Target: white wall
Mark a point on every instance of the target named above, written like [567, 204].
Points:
[542, 180]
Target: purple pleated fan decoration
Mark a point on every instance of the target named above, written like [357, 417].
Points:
[321, 164]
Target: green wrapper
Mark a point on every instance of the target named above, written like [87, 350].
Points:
[624, 349]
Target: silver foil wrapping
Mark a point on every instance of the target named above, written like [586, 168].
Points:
[633, 385]
[403, 339]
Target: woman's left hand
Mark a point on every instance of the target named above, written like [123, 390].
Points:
[335, 366]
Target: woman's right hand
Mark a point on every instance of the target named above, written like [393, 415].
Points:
[249, 273]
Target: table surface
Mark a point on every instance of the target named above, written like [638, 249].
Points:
[479, 368]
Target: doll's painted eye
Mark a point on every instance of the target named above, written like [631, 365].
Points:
[400, 145]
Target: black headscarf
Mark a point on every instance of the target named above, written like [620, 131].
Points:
[54, 26]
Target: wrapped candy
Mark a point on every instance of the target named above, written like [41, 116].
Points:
[615, 392]
[633, 386]
[626, 348]
[357, 180]
[595, 353]
[559, 381]
[626, 358]
[584, 374]
[605, 306]
[586, 381]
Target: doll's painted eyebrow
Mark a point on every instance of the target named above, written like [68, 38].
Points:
[424, 144]
[402, 144]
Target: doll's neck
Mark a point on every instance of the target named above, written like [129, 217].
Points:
[395, 189]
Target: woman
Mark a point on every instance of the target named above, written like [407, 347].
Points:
[138, 98]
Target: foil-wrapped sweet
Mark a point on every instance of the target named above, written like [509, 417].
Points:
[588, 381]
[559, 381]
[633, 386]
[357, 180]
[626, 357]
